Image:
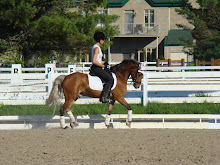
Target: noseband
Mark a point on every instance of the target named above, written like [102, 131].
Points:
[134, 80]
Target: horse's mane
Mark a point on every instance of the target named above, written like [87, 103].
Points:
[121, 66]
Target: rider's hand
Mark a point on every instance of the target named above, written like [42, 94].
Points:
[107, 65]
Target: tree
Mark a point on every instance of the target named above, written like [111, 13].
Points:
[46, 30]
[206, 32]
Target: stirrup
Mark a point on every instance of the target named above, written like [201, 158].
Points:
[104, 100]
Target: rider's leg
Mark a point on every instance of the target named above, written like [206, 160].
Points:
[109, 81]
[106, 90]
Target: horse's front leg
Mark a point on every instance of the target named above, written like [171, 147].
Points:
[122, 101]
[109, 112]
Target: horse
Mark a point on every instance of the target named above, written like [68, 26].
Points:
[75, 85]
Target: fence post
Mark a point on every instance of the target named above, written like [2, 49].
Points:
[182, 62]
[49, 71]
[169, 62]
[16, 71]
[212, 63]
[145, 92]
[71, 69]
[197, 63]
[50, 68]
[158, 64]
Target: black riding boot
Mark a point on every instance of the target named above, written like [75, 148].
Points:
[105, 97]
[105, 94]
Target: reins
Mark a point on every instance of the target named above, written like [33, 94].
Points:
[125, 81]
[117, 68]
[135, 78]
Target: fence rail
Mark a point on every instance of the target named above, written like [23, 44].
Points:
[33, 88]
[186, 121]
[183, 78]
[19, 87]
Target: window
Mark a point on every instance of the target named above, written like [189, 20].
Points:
[129, 21]
[100, 23]
[149, 18]
[102, 11]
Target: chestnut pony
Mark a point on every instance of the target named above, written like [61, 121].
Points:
[77, 84]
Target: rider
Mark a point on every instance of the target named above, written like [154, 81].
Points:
[98, 66]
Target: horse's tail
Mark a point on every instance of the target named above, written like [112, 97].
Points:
[56, 92]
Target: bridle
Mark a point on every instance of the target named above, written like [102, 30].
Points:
[134, 80]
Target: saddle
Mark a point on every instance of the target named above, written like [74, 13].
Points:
[106, 69]
[97, 83]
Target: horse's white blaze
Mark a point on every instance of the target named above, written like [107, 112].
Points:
[129, 118]
[107, 119]
[72, 118]
[62, 121]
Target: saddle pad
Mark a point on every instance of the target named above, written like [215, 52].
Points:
[95, 82]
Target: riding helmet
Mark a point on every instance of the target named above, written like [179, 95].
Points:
[99, 36]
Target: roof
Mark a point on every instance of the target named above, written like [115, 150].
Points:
[116, 3]
[153, 3]
[166, 3]
[175, 37]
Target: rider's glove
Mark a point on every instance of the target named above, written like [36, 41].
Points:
[107, 65]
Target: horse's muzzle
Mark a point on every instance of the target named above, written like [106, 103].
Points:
[137, 85]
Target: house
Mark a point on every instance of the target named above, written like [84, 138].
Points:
[146, 29]
[173, 48]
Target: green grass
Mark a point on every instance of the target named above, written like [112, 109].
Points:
[152, 108]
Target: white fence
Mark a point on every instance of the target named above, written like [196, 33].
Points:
[181, 79]
[17, 87]
[140, 121]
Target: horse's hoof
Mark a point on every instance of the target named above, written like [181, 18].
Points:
[108, 126]
[128, 123]
[65, 127]
[73, 124]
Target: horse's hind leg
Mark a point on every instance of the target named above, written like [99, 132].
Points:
[108, 116]
[62, 119]
[72, 118]
[66, 108]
